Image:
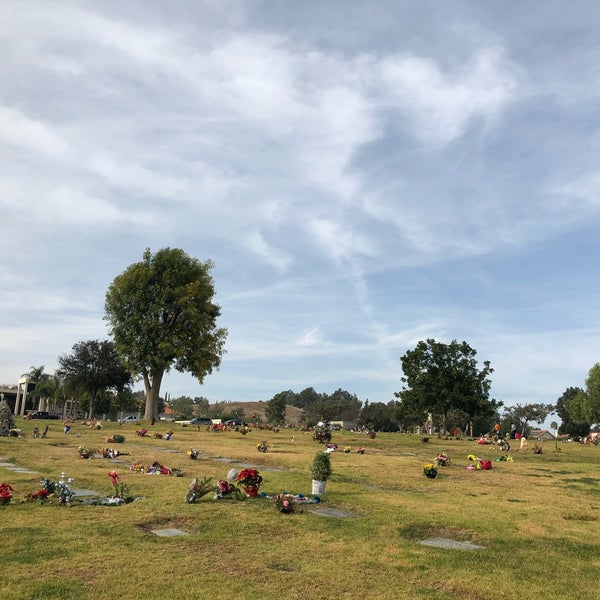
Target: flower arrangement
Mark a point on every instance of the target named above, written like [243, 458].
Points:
[41, 496]
[430, 470]
[442, 460]
[225, 490]
[117, 438]
[262, 447]
[285, 503]
[322, 433]
[198, 489]
[137, 467]
[142, 432]
[85, 452]
[360, 450]
[347, 449]
[157, 436]
[120, 489]
[480, 463]
[250, 480]
[64, 493]
[48, 485]
[155, 469]
[111, 453]
[193, 453]
[169, 434]
[6, 491]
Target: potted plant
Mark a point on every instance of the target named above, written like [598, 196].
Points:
[250, 480]
[430, 470]
[320, 470]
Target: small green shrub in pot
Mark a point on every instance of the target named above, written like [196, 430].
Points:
[320, 470]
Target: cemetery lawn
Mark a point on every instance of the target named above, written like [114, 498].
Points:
[536, 519]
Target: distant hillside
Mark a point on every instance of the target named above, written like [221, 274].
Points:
[293, 414]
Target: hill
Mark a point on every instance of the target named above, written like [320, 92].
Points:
[245, 410]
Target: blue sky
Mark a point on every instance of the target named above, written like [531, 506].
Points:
[363, 175]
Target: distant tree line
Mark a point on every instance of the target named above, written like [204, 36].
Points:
[161, 315]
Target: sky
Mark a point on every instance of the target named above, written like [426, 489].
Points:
[364, 175]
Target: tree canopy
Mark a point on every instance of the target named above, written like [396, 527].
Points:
[568, 424]
[94, 368]
[162, 315]
[585, 406]
[521, 415]
[442, 377]
[275, 408]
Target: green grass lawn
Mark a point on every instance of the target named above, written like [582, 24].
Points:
[537, 518]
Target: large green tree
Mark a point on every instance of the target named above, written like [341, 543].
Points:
[94, 368]
[521, 415]
[441, 377]
[275, 408]
[162, 315]
[585, 407]
[568, 424]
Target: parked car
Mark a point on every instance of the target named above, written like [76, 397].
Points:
[235, 423]
[129, 419]
[41, 414]
[201, 421]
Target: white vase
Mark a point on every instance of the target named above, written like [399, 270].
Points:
[318, 487]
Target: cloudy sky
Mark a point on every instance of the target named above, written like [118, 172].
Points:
[363, 174]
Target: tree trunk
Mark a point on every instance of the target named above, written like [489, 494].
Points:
[152, 387]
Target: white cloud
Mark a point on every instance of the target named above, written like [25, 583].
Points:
[271, 255]
[327, 171]
[309, 338]
[439, 105]
[30, 134]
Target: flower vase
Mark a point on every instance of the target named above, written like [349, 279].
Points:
[431, 475]
[251, 491]
[318, 487]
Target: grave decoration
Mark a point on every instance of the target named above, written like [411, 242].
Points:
[480, 464]
[227, 491]
[442, 460]
[250, 480]
[64, 494]
[320, 471]
[360, 450]
[193, 453]
[430, 470]
[85, 452]
[285, 503]
[262, 447]
[155, 469]
[121, 493]
[322, 433]
[6, 491]
[113, 453]
[198, 489]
